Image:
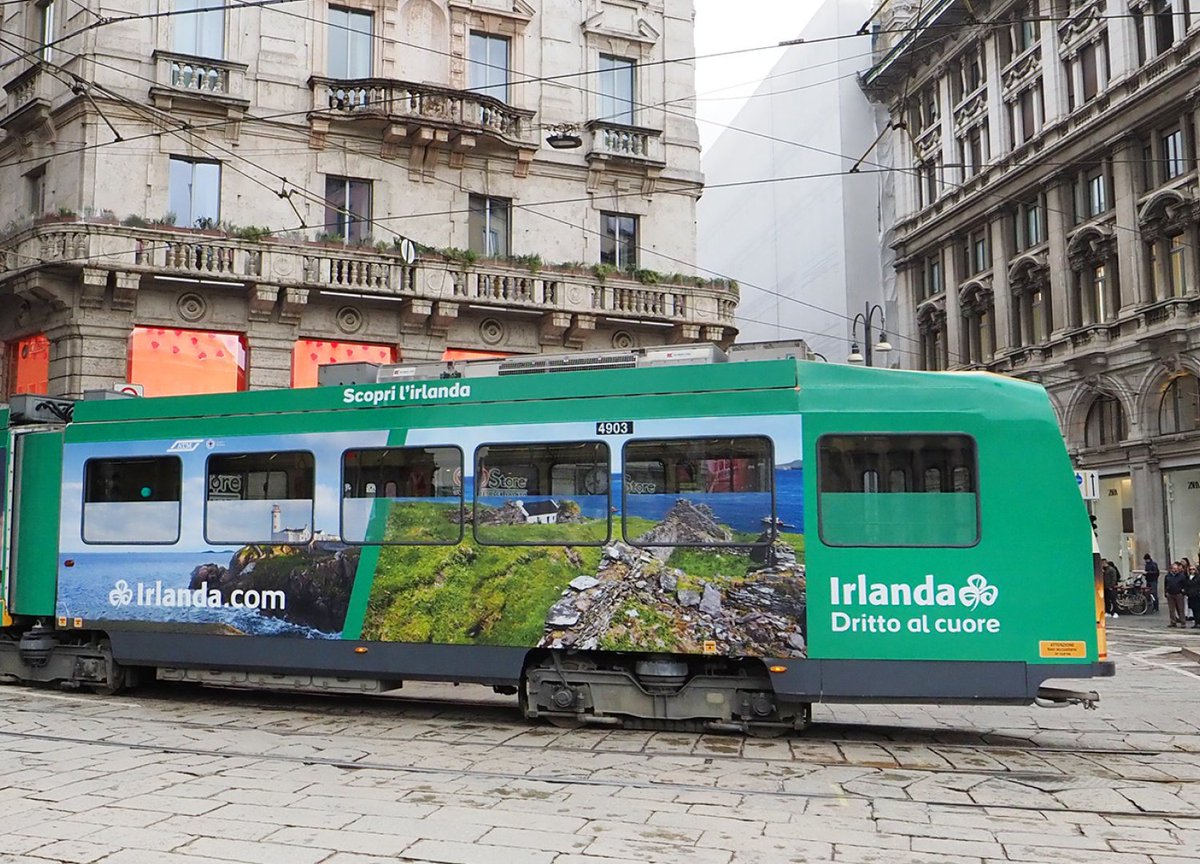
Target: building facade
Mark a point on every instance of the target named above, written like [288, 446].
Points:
[1046, 227]
[205, 197]
[805, 250]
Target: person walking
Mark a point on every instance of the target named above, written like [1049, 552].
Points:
[1191, 590]
[1173, 584]
[1111, 577]
[1150, 569]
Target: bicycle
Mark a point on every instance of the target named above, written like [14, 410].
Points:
[1133, 596]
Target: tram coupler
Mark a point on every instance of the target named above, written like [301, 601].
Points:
[1058, 697]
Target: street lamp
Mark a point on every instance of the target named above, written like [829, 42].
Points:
[882, 346]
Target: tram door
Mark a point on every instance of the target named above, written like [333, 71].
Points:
[33, 495]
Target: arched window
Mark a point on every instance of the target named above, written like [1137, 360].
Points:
[1105, 422]
[1179, 410]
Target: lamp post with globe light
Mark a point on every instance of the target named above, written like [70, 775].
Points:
[882, 346]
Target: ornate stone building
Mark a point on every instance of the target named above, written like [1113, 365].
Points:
[1047, 227]
[201, 196]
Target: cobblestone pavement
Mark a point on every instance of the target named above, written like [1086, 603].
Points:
[186, 776]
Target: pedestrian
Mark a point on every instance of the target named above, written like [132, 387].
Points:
[1111, 577]
[1191, 590]
[1150, 568]
[1173, 584]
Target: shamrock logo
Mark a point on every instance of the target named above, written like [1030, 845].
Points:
[121, 595]
[977, 591]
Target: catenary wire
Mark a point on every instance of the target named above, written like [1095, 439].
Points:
[880, 167]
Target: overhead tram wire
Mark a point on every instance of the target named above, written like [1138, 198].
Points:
[877, 166]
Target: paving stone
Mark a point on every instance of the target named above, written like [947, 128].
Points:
[448, 852]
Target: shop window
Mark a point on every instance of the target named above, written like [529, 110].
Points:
[472, 354]
[714, 491]
[488, 223]
[1105, 422]
[171, 362]
[857, 508]
[200, 34]
[619, 240]
[260, 498]
[487, 68]
[404, 495]
[350, 43]
[308, 355]
[132, 500]
[1179, 410]
[617, 87]
[542, 494]
[27, 365]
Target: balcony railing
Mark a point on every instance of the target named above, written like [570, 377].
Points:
[28, 99]
[201, 77]
[423, 104]
[367, 271]
[615, 141]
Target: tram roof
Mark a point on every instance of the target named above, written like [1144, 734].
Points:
[818, 386]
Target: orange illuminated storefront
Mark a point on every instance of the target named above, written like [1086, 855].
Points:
[27, 365]
[170, 362]
[310, 354]
[467, 354]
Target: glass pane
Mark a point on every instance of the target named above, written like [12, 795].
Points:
[28, 365]
[206, 192]
[339, 43]
[360, 45]
[699, 492]
[185, 27]
[616, 90]
[170, 362]
[851, 466]
[542, 494]
[360, 210]
[210, 29]
[179, 191]
[131, 500]
[410, 495]
[260, 498]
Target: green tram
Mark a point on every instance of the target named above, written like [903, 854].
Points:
[663, 537]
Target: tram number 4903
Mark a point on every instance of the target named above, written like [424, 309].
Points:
[614, 427]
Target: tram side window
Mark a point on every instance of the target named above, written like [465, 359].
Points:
[260, 498]
[132, 500]
[402, 495]
[699, 492]
[542, 494]
[898, 490]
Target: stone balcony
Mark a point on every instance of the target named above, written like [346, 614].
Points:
[198, 79]
[280, 275]
[631, 143]
[422, 116]
[28, 102]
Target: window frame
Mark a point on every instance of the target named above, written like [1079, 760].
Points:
[615, 239]
[195, 164]
[476, 464]
[461, 500]
[198, 25]
[733, 544]
[487, 67]
[944, 477]
[47, 26]
[487, 205]
[178, 500]
[352, 227]
[312, 500]
[613, 106]
[345, 30]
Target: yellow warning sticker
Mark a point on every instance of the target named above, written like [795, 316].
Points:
[78, 622]
[710, 647]
[1062, 649]
[62, 620]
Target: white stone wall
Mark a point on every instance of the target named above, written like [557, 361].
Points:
[805, 252]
